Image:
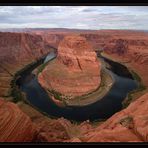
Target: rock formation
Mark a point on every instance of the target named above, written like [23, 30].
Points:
[128, 125]
[131, 48]
[16, 51]
[76, 71]
[117, 46]
[19, 49]
[15, 126]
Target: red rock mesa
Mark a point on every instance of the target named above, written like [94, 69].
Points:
[76, 71]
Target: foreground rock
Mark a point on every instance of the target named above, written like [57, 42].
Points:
[75, 72]
[128, 125]
[15, 126]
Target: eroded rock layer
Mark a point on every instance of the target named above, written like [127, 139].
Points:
[15, 126]
[76, 71]
[132, 49]
[21, 47]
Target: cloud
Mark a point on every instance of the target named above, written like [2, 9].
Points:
[81, 17]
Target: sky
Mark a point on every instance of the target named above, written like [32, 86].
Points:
[78, 17]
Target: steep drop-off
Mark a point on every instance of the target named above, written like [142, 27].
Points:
[15, 126]
[132, 49]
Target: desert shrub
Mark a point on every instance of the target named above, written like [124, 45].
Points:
[40, 69]
[126, 121]
[56, 94]
[135, 76]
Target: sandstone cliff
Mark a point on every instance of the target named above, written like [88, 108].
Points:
[19, 48]
[15, 126]
[131, 48]
[76, 71]
[16, 51]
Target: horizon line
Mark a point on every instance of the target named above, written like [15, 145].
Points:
[72, 28]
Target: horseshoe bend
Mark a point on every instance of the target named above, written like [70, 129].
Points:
[73, 74]
[75, 71]
[59, 85]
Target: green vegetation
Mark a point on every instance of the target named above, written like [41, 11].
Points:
[56, 95]
[126, 121]
[135, 76]
[15, 92]
[97, 122]
[41, 67]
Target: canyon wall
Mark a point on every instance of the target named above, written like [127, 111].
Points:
[16, 51]
[130, 48]
[19, 48]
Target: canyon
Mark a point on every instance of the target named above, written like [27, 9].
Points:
[22, 48]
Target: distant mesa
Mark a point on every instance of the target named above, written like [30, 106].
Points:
[75, 71]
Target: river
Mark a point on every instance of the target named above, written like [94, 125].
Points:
[102, 109]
